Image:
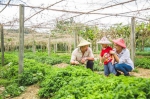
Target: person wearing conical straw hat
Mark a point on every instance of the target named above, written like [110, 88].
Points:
[122, 57]
[106, 57]
[83, 55]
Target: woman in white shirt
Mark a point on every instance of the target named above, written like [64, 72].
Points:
[122, 57]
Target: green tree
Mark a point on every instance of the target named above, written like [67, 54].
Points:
[142, 35]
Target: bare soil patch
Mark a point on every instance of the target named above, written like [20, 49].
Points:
[144, 73]
[61, 65]
[30, 93]
[2, 89]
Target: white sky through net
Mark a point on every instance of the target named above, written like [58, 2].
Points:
[90, 12]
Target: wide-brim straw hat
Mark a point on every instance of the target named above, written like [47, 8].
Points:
[83, 43]
[120, 42]
[104, 40]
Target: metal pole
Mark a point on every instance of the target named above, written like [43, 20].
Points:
[2, 43]
[21, 37]
[133, 45]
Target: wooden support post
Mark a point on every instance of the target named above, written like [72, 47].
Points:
[133, 45]
[56, 47]
[21, 37]
[49, 45]
[33, 42]
[97, 47]
[66, 48]
[75, 39]
[41, 46]
[2, 43]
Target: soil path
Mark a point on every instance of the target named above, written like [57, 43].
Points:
[144, 73]
[30, 93]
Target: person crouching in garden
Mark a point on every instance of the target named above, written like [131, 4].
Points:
[106, 57]
[122, 57]
[83, 55]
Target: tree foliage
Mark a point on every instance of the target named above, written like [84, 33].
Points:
[92, 33]
[142, 35]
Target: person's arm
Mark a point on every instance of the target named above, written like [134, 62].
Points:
[73, 60]
[116, 58]
[113, 60]
[123, 58]
[103, 58]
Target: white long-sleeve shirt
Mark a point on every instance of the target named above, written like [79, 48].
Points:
[124, 57]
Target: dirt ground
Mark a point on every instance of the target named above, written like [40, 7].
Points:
[144, 73]
[32, 91]
[61, 65]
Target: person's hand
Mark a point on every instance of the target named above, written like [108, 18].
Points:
[112, 62]
[76, 63]
[112, 52]
[105, 56]
[83, 60]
